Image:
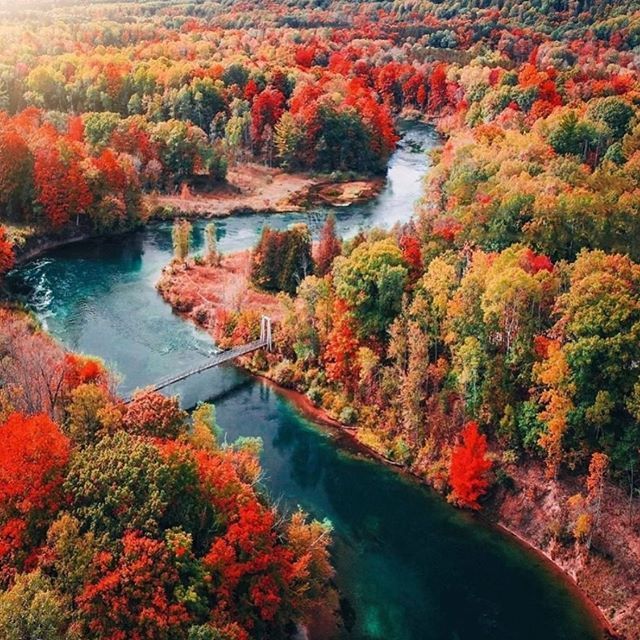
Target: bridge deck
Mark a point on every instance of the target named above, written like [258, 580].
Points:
[216, 360]
[264, 342]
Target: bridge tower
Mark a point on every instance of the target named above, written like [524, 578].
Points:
[265, 332]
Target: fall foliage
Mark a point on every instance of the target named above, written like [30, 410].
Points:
[469, 467]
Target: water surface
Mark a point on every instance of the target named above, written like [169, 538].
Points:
[409, 566]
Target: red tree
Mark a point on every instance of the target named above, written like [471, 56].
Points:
[152, 414]
[61, 187]
[469, 467]
[412, 255]
[438, 89]
[33, 456]
[133, 597]
[329, 246]
[341, 352]
[266, 110]
[6, 253]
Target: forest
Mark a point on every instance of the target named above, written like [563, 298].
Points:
[498, 330]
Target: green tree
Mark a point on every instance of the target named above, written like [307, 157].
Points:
[372, 278]
[211, 255]
[288, 139]
[32, 609]
[614, 112]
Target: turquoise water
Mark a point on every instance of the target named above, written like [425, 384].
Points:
[409, 567]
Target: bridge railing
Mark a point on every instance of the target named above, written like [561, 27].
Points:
[265, 341]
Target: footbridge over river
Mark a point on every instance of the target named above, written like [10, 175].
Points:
[265, 341]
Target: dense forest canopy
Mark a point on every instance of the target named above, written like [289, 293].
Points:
[500, 327]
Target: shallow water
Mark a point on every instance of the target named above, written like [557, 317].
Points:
[409, 567]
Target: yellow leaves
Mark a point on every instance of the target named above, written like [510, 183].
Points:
[582, 527]
[553, 373]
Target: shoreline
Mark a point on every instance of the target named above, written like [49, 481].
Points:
[346, 437]
[365, 190]
[319, 416]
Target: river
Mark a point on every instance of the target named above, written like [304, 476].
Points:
[409, 566]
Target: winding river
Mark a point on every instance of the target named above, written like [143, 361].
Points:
[409, 566]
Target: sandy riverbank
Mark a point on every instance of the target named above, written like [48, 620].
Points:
[256, 188]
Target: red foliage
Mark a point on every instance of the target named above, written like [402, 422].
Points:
[412, 255]
[151, 414]
[438, 89]
[251, 90]
[62, 189]
[82, 370]
[266, 110]
[6, 253]
[534, 262]
[133, 597]
[329, 247]
[33, 456]
[107, 163]
[341, 351]
[75, 129]
[469, 467]
[251, 572]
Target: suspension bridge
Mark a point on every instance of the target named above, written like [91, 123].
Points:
[265, 341]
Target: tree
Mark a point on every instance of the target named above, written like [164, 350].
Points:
[181, 236]
[16, 172]
[598, 324]
[61, 186]
[614, 112]
[149, 413]
[373, 277]
[469, 467]
[134, 595]
[33, 459]
[556, 399]
[6, 253]
[32, 608]
[288, 139]
[90, 413]
[205, 432]
[595, 488]
[119, 483]
[212, 255]
[266, 110]
[282, 259]
[340, 354]
[329, 246]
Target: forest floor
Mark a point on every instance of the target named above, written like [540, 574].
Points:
[254, 187]
[534, 509]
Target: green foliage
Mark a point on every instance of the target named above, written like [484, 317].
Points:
[181, 236]
[373, 279]
[120, 483]
[33, 609]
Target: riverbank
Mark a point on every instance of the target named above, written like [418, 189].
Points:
[252, 189]
[255, 188]
[347, 439]
[597, 599]
[605, 580]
